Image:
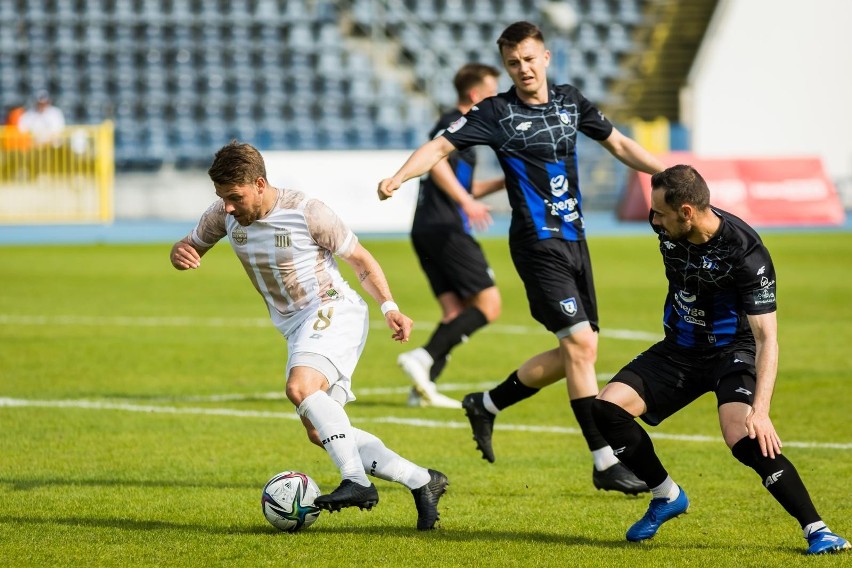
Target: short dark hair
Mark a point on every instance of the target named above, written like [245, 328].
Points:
[518, 32]
[470, 75]
[682, 184]
[237, 164]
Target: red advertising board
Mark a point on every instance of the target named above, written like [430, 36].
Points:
[762, 191]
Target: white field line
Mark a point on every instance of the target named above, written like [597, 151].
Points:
[190, 321]
[415, 422]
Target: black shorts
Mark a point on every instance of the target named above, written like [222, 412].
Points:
[557, 276]
[668, 378]
[453, 262]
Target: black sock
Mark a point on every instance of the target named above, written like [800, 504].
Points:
[438, 366]
[631, 441]
[448, 335]
[780, 478]
[510, 391]
[582, 408]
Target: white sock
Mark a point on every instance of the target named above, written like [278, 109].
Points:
[336, 432]
[489, 404]
[668, 489]
[814, 527]
[381, 462]
[423, 356]
[604, 458]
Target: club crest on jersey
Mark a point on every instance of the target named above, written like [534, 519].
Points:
[558, 185]
[282, 238]
[239, 236]
[564, 117]
[454, 127]
[569, 306]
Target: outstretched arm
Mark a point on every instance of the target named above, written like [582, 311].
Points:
[421, 161]
[373, 280]
[765, 329]
[630, 153]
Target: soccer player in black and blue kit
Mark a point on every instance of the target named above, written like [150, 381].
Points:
[533, 129]
[721, 337]
[458, 272]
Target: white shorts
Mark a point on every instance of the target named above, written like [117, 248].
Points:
[331, 341]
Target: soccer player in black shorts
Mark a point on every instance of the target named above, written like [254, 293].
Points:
[533, 130]
[458, 273]
[720, 337]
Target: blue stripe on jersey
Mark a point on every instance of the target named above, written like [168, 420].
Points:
[725, 318]
[534, 202]
[568, 229]
[464, 173]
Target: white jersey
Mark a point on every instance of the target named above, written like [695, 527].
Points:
[287, 254]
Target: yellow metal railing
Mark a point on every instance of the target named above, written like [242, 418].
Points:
[69, 179]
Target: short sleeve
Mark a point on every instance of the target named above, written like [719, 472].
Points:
[593, 123]
[477, 127]
[328, 230]
[211, 227]
[756, 281]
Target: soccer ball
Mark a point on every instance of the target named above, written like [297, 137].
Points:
[288, 501]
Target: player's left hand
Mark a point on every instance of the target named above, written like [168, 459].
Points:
[400, 324]
[760, 427]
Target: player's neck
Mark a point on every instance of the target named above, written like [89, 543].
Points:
[270, 198]
[704, 228]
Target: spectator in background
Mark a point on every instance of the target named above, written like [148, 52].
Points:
[45, 122]
[457, 271]
[13, 138]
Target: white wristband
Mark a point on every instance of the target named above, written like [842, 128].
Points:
[388, 306]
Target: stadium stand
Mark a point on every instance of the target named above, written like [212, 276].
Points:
[181, 77]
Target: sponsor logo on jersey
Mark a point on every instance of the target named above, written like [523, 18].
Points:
[456, 126]
[569, 306]
[524, 126]
[559, 185]
[764, 295]
[686, 296]
[669, 245]
[282, 238]
[761, 270]
[239, 236]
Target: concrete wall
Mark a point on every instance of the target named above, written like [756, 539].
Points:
[774, 78]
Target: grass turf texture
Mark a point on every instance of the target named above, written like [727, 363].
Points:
[179, 485]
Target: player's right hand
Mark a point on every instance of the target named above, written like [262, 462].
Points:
[386, 188]
[184, 256]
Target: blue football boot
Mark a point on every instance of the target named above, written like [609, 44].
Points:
[659, 511]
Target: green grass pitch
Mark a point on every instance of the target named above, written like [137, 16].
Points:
[141, 412]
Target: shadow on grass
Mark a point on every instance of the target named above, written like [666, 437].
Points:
[30, 484]
[446, 536]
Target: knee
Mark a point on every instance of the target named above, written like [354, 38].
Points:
[489, 303]
[582, 348]
[608, 414]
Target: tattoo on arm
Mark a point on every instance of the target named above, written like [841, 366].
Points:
[363, 275]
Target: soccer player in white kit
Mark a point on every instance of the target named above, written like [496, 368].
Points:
[285, 241]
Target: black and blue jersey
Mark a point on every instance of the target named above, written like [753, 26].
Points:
[537, 149]
[715, 285]
[436, 211]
